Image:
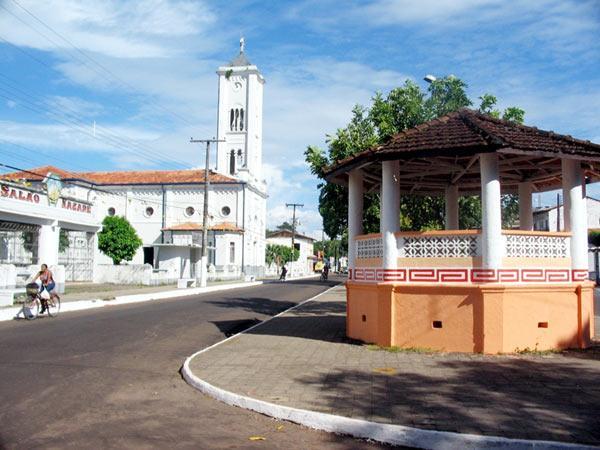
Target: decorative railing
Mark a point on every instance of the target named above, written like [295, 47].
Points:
[528, 244]
[369, 246]
[438, 245]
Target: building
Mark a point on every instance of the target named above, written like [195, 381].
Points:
[164, 206]
[491, 290]
[547, 219]
[304, 244]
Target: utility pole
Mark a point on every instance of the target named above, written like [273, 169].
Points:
[293, 205]
[204, 259]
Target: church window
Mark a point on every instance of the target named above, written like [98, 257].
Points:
[231, 119]
[149, 211]
[189, 211]
[241, 119]
[232, 162]
[246, 158]
[237, 118]
[240, 159]
[225, 211]
[111, 211]
[232, 253]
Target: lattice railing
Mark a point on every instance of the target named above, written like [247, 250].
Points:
[536, 246]
[451, 246]
[369, 248]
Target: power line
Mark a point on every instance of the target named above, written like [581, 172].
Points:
[71, 121]
[85, 55]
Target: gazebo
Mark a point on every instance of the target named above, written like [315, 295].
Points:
[489, 290]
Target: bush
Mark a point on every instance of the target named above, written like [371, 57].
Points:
[118, 239]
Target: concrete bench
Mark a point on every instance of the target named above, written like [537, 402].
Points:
[7, 296]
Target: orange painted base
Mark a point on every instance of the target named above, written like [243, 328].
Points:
[488, 318]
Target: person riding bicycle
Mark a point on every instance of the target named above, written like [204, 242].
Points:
[47, 279]
[326, 271]
[283, 273]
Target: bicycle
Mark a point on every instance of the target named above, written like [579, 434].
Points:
[33, 300]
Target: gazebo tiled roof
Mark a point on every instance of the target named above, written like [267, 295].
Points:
[442, 149]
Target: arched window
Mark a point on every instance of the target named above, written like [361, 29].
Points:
[240, 158]
[232, 253]
[232, 162]
[241, 119]
[237, 118]
[231, 119]
[246, 158]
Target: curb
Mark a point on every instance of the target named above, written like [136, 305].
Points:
[80, 305]
[385, 433]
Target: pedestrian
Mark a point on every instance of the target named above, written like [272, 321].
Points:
[283, 273]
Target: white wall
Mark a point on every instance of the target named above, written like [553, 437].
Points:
[304, 265]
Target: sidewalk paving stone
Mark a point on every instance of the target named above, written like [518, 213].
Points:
[302, 359]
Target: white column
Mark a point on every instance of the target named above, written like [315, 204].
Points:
[48, 238]
[525, 206]
[355, 212]
[390, 212]
[575, 215]
[452, 207]
[492, 242]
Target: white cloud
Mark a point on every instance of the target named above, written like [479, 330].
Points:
[117, 28]
[11, 104]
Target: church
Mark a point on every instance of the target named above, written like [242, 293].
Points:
[164, 206]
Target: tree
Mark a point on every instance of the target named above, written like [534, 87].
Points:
[404, 107]
[118, 239]
[285, 226]
[280, 255]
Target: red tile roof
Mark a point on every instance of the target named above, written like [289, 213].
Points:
[287, 233]
[124, 177]
[467, 132]
[194, 226]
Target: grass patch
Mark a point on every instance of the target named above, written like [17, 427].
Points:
[536, 352]
[394, 349]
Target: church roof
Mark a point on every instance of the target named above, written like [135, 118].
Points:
[195, 226]
[239, 61]
[124, 178]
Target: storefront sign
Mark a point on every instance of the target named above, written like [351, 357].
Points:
[7, 191]
[76, 206]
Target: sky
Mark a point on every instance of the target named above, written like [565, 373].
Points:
[144, 73]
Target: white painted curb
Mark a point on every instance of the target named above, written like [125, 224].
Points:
[386, 433]
[10, 313]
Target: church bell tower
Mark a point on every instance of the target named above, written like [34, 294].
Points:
[240, 119]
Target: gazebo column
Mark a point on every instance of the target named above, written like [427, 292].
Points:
[390, 212]
[452, 207]
[525, 206]
[355, 213]
[492, 243]
[575, 212]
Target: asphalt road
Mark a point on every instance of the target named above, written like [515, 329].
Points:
[109, 377]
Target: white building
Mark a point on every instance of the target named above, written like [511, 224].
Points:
[166, 206]
[304, 244]
[553, 218]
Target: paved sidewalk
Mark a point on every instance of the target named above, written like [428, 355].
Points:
[303, 360]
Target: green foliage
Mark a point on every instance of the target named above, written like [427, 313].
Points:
[280, 254]
[285, 226]
[330, 248]
[594, 238]
[404, 107]
[63, 240]
[118, 239]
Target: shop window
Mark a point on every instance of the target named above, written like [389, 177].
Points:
[111, 211]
